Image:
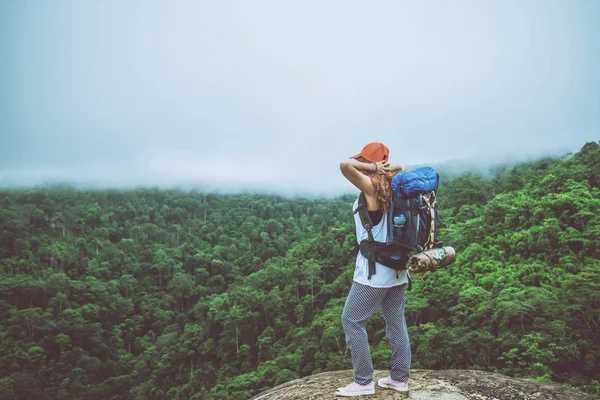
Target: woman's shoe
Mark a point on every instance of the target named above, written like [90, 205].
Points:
[354, 389]
[389, 383]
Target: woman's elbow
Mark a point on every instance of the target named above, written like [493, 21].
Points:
[345, 166]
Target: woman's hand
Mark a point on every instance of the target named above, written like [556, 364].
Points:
[383, 167]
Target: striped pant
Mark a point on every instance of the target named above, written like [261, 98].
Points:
[363, 301]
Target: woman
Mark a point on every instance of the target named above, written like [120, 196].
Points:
[371, 175]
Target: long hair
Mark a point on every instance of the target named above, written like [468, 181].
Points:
[383, 190]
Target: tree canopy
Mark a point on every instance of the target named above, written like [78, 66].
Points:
[172, 294]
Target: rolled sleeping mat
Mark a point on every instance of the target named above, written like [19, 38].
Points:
[430, 260]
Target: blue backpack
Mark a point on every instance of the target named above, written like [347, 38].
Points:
[412, 220]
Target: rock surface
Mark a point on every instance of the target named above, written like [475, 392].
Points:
[425, 385]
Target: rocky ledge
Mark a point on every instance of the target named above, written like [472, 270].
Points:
[428, 384]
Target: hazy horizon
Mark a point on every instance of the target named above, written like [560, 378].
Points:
[271, 97]
[453, 168]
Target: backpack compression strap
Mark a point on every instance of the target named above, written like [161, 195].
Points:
[430, 201]
[367, 249]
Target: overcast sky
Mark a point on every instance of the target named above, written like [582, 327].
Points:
[274, 94]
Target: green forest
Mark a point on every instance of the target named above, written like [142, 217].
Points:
[175, 294]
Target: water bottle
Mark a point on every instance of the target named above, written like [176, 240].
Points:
[399, 222]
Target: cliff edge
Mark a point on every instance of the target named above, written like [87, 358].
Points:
[427, 384]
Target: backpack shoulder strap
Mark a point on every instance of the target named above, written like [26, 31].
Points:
[366, 222]
[363, 214]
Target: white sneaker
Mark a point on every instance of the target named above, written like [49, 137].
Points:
[389, 383]
[354, 389]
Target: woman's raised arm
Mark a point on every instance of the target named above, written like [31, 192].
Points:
[353, 171]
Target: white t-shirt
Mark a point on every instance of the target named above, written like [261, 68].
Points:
[384, 277]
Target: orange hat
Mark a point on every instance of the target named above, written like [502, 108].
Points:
[374, 152]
